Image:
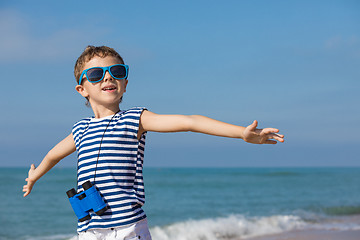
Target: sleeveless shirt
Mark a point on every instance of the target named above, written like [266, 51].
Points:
[118, 168]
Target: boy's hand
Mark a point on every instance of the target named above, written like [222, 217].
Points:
[30, 183]
[261, 136]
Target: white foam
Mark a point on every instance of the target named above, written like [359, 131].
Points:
[232, 227]
[54, 237]
[336, 226]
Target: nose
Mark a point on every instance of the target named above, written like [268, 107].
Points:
[107, 76]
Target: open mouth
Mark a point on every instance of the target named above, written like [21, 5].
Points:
[109, 88]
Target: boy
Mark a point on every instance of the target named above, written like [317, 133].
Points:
[110, 145]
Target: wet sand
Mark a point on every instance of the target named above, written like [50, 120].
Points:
[351, 231]
[314, 235]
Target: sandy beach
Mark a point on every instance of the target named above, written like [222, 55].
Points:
[349, 230]
[314, 235]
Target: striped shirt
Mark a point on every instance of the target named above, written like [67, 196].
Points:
[119, 167]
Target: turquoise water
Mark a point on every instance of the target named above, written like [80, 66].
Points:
[225, 203]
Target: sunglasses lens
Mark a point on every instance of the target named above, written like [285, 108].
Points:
[118, 71]
[94, 74]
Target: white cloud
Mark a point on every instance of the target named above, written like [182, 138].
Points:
[339, 41]
[344, 45]
[333, 42]
[19, 43]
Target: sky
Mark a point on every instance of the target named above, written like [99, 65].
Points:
[292, 65]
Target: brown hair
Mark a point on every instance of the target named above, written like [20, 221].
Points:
[89, 53]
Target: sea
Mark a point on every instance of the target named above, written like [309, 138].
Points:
[196, 203]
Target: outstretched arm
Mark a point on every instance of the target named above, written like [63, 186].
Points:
[195, 123]
[61, 150]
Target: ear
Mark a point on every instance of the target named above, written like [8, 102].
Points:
[80, 89]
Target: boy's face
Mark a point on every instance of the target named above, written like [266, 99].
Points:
[107, 92]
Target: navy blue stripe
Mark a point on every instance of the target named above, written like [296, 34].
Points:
[120, 174]
[118, 135]
[94, 143]
[123, 155]
[117, 181]
[132, 117]
[111, 194]
[94, 131]
[109, 155]
[122, 218]
[105, 175]
[132, 124]
[107, 168]
[109, 148]
[139, 190]
[118, 191]
[135, 220]
[119, 161]
[127, 204]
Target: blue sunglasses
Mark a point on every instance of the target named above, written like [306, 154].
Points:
[97, 74]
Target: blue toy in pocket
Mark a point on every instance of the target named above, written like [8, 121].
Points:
[86, 201]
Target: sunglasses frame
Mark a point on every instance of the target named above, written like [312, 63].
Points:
[104, 72]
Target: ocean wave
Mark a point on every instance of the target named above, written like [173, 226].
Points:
[236, 226]
[52, 237]
[282, 174]
[226, 228]
[342, 210]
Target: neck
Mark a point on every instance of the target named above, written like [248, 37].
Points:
[104, 111]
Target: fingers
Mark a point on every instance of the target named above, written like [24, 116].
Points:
[270, 130]
[272, 134]
[28, 187]
[276, 137]
[26, 190]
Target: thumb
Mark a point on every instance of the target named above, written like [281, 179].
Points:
[253, 125]
[32, 167]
